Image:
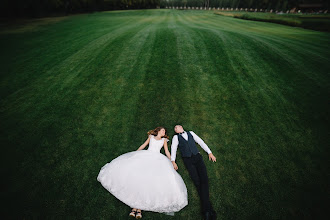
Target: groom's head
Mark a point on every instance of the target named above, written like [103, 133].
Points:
[178, 129]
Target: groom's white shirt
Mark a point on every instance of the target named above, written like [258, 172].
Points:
[175, 143]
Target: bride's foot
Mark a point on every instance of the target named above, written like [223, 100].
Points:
[133, 213]
[138, 214]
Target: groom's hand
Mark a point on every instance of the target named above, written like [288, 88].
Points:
[175, 166]
[212, 157]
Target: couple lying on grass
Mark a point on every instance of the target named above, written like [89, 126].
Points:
[148, 180]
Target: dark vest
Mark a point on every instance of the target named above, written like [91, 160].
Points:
[187, 148]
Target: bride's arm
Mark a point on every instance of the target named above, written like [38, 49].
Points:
[144, 144]
[166, 149]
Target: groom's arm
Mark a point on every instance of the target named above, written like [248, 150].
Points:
[174, 147]
[199, 141]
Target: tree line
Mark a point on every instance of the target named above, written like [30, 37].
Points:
[279, 5]
[40, 8]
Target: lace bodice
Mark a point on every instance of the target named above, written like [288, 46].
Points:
[155, 145]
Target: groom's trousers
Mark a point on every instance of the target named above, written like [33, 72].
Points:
[197, 171]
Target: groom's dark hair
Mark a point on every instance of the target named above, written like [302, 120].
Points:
[175, 127]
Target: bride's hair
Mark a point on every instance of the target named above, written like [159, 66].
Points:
[156, 130]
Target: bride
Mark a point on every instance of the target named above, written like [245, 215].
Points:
[146, 179]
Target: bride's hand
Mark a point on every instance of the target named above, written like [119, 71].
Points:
[175, 166]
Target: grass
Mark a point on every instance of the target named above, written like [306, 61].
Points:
[78, 92]
[319, 22]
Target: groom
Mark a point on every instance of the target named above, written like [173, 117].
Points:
[194, 163]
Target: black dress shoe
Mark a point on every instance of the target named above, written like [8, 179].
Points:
[207, 216]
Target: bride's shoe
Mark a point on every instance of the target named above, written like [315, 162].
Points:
[133, 213]
[138, 214]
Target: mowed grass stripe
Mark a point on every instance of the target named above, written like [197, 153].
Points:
[201, 84]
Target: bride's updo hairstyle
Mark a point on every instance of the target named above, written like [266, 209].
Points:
[156, 130]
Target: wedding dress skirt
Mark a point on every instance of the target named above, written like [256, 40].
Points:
[145, 180]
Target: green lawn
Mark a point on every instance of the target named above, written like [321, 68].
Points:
[77, 92]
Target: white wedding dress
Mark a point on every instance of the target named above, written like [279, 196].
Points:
[145, 180]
